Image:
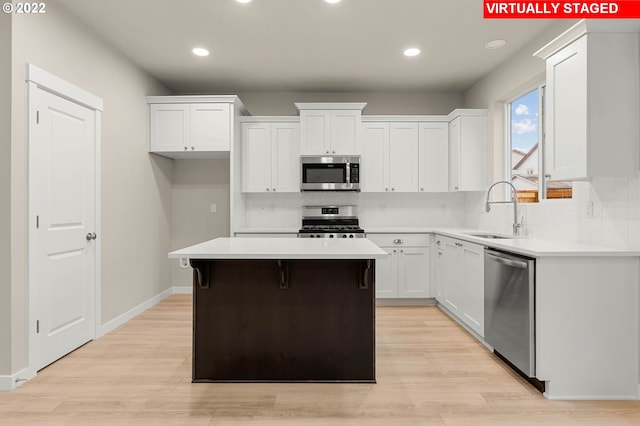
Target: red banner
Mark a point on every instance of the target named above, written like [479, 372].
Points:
[542, 9]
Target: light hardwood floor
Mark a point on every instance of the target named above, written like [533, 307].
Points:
[429, 372]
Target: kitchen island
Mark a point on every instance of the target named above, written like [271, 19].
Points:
[275, 309]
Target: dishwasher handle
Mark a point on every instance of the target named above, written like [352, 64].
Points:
[507, 261]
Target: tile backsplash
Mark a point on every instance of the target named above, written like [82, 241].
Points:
[605, 211]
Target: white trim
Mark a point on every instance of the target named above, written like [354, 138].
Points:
[330, 105]
[406, 118]
[40, 79]
[197, 99]
[589, 397]
[269, 119]
[62, 88]
[132, 313]
[407, 302]
[183, 290]
[9, 383]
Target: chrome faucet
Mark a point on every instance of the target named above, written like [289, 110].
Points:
[514, 201]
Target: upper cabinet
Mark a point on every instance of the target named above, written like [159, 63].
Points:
[330, 128]
[467, 150]
[433, 156]
[592, 101]
[270, 156]
[389, 160]
[184, 127]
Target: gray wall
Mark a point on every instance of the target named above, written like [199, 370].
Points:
[518, 74]
[196, 185]
[5, 194]
[136, 187]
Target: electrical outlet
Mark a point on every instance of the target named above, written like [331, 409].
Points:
[588, 211]
[214, 208]
[184, 263]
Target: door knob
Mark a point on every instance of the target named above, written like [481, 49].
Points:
[91, 236]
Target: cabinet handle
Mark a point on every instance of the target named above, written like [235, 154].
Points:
[395, 251]
[548, 176]
[459, 244]
[421, 189]
[397, 241]
[333, 152]
[185, 148]
[401, 251]
[267, 189]
[193, 148]
[455, 187]
[438, 242]
[386, 189]
[327, 151]
[274, 190]
[393, 189]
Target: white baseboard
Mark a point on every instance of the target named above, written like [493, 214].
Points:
[132, 313]
[8, 383]
[406, 302]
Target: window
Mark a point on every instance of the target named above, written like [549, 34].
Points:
[526, 150]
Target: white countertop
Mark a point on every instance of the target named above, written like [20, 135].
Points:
[536, 247]
[281, 248]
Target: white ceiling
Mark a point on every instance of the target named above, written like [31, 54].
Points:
[307, 45]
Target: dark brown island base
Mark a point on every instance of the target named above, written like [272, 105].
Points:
[299, 310]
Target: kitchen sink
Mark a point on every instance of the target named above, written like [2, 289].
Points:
[490, 236]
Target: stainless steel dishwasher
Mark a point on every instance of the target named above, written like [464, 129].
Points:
[509, 308]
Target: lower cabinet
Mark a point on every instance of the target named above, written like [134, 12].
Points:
[460, 280]
[405, 274]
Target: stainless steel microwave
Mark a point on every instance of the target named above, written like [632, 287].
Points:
[330, 173]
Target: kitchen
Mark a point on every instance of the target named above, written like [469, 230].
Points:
[144, 196]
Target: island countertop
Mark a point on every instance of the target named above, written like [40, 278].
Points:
[281, 248]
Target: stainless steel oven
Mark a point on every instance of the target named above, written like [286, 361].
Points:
[330, 173]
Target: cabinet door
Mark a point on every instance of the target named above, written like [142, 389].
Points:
[169, 127]
[256, 157]
[473, 305]
[403, 157]
[210, 127]
[414, 272]
[440, 270]
[566, 115]
[374, 161]
[285, 145]
[434, 157]
[473, 153]
[387, 275]
[345, 132]
[315, 132]
[454, 154]
[453, 288]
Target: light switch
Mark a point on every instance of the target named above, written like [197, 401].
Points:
[214, 207]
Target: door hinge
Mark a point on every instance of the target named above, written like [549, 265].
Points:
[37, 117]
[37, 326]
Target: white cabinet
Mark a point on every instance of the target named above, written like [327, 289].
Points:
[460, 285]
[592, 101]
[467, 150]
[270, 157]
[330, 129]
[390, 157]
[433, 156]
[405, 274]
[192, 127]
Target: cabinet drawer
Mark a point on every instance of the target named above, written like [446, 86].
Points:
[407, 240]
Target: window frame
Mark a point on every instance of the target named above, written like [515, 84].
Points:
[542, 181]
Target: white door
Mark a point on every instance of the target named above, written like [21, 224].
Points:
[413, 272]
[387, 275]
[454, 154]
[62, 259]
[434, 157]
[315, 132]
[210, 127]
[169, 127]
[285, 171]
[345, 132]
[403, 157]
[374, 161]
[256, 157]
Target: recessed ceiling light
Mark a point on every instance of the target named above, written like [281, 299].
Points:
[495, 44]
[333, 1]
[412, 51]
[200, 51]
[243, 1]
